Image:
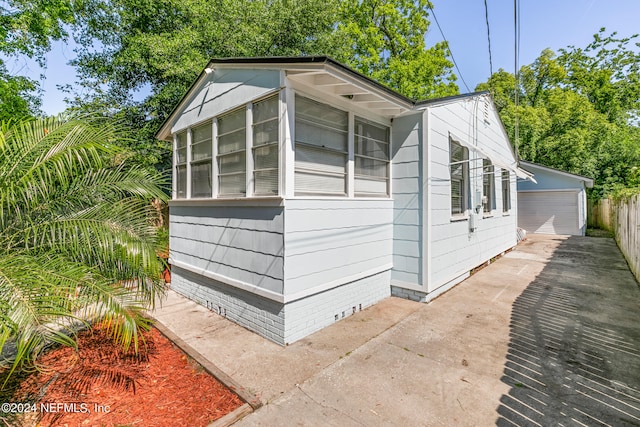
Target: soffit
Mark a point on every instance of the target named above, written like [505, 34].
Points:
[359, 93]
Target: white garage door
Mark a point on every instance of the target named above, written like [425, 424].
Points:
[549, 212]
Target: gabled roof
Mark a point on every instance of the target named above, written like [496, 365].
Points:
[448, 99]
[530, 165]
[321, 72]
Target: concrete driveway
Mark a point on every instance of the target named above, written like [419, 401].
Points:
[547, 335]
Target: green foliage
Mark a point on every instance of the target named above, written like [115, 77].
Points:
[578, 111]
[77, 241]
[28, 26]
[385, 41]
[17, 100]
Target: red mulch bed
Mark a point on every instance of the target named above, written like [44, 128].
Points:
[103, 386]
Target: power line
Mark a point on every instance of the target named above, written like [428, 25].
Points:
[516, 55]
[486, 17]
[450, 51]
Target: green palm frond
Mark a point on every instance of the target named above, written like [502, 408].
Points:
[77, 241]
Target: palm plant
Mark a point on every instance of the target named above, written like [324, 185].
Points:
[76, 241]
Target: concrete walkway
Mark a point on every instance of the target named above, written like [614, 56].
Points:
[547, 335]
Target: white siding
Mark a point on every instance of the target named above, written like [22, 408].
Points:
[330, 242]
[455, 250]
[223, 90]
[407, 200]
[242, 243]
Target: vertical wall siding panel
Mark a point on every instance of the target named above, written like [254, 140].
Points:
[242, 243]
[407, 195]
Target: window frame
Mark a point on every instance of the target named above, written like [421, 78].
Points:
[241, 111]
[387, 161]
[506, 191]
[181, 164]
[465, 180]
[274, 144]
[339, 154]
[488, 187]
[202, 161]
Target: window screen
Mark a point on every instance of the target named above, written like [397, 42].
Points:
[201, 161]
[321, 138]
[506, 191]
[371, 153]
[232, 153]
[265, 146]
[488, 183]
[459, 172]
[181, 165]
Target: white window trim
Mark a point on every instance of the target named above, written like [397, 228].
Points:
[248, 149]
[188, 173]
[291, 92]
[467, 206]
[491, 197]
[502, 181]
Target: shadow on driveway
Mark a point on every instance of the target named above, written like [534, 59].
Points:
[574, 350]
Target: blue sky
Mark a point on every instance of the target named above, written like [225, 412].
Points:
[543, 23]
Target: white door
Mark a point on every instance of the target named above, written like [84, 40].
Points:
[549, 212]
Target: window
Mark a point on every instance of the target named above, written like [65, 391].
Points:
[321, 147]
[201, 161]
[506, 191]
[265, 146]
[459, 171]
[181, 165]
[371, 158]
[232, 153]
[488, 187]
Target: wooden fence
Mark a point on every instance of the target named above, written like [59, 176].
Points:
[622, 217]
[599, 214]
[626, 222]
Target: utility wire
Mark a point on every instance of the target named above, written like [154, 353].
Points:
[516, 54]
[486, 17]
[450, 51]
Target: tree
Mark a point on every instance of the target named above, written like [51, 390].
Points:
[160, 47]
[77, 241]
[27, 27]
[578, 110]
[16, 96]
[385, 41]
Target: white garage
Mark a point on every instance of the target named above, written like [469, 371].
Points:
[555, 204]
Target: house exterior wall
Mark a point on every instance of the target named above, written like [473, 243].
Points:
[223, 90]
[314, 312]
[242, 244]
[408, 200]
[455, 249]
[231, 260]
[334, 241]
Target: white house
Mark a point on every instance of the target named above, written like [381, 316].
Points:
[556, 203]
[304, 191]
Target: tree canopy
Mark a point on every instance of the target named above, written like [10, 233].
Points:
[161, 47]
[578, 111]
